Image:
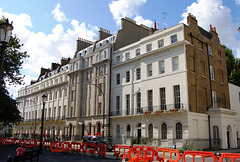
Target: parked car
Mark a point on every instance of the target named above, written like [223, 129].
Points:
[98, 139]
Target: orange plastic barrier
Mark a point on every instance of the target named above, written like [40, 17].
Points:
[232, 156]
[169, 152]
[101, 149]
[121, 150]
[8, 141]
[199, 153]
[75, 146]
[66, 146]
[140, 153]
[89, 148]
[57, 147]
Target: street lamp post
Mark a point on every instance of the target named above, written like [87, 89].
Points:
[5, 33]
[41, 136]
[100, 88]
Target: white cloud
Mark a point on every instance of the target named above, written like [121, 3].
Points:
[237, 2]
[45, 49]
[129, 8]
[59, 15]
[213, 12]
[140, 20]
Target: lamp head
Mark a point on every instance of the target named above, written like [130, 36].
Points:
[5, 31]
[44, 97]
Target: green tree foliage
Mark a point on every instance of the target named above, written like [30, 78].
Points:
[13, 61]
[8, 110]
[233, 67]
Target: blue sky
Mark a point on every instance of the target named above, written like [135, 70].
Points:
[49, 29]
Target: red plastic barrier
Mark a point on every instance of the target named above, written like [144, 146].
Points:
[66, 146]
[30, 143]
[46, 144]
[21, 142]
[140, 153]
[233, 156]
[16, 141]
[171, 152]
[199, 153]
[8, 141]
[89, 148]
[1, 140]
[75, 146]
[57, 147]
[101, 149]
[121, 150]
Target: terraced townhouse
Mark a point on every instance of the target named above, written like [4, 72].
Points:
[165, 86]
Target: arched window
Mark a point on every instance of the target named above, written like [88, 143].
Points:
[128, 131]
[164, 131]
[178, 130]
[150, 131]
[118, 131]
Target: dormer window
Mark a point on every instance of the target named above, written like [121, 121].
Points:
[98, 45]
[127, 55]
[89, 50]
[118, 59]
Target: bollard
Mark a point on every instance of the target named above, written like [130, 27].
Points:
[174, 147]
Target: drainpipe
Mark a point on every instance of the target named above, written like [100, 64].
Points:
[210, 84]
[110, 89]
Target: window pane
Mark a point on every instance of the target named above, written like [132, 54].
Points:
[164, 131]
[138, 72]
[150, 131]
[138, 52]
[177, 99]
[139, 103]
[150, 100]
[149, 47]
[178, 131]
[163, 98]
[175, 63]
[128, 104]
[161, 67]
[128, 76]
[174, 38]
[149, 70]
[160, 43]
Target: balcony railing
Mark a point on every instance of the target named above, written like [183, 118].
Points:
[46, 118]
[149, 110]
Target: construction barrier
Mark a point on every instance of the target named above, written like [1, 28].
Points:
[140, 153]
[46, 144]
[172, 154]
[101, 149]
[232, 157]
[1, 140]
[121, 150]
[75, 146]
[8, 141]
[57, 147]
[89, 148]
[66, 146]
[201, 154]
[16, 141]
